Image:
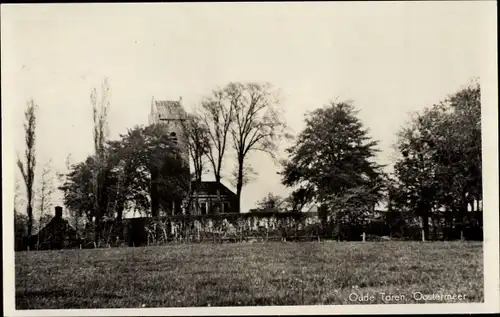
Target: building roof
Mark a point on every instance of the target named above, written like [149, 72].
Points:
[210, 188]
[54, 230]
[168, 109]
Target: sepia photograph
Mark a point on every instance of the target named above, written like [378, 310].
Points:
[249, 158]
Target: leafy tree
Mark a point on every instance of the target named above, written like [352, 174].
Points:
[126, 185]
[28, 168]
[457, 143]
[78, 189]
[439, 168]
[333, 159]
[258, 124]
[153, 173]
[416, 170]
[300, 198]
[79, 197]
[143, 170]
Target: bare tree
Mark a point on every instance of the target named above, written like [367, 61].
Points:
[198, 143]
[44, 195]
[248, 175]
[198, 146]
[258, 124]
[100, 105]
[271, 202]
[61, 176]
[28, 168]
[217, 116]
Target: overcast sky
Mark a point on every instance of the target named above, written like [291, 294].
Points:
[389, 58]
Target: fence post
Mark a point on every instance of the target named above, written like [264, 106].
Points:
[364, 237]
[423, 235]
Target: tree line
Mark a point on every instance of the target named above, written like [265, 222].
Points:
[437, 174]
[332, 163]
[143, 170]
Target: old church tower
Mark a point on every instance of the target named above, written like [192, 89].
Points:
[210, 197]
[172, 115]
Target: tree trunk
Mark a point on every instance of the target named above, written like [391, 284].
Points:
[155, 206]
[219, 201]
[195, 192]
[449, 223]
[119, 220]
[39, 229]
[465, 217]
[119, 213]
[434, 228]
[197, 184]
[154, 201]
[425, 224]
[323, 217]
[30, 218]
[97, 234]
[239, 186]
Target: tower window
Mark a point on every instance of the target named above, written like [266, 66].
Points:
[173, 136]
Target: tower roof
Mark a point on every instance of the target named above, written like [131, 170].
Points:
[168, 109]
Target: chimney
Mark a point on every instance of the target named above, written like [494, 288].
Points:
[59, 211]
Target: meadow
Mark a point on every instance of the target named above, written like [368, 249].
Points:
[242, 274]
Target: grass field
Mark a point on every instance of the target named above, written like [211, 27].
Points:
[305, 273]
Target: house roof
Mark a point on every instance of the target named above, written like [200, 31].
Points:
[168, 109]
[55, 226]
[210, 188]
